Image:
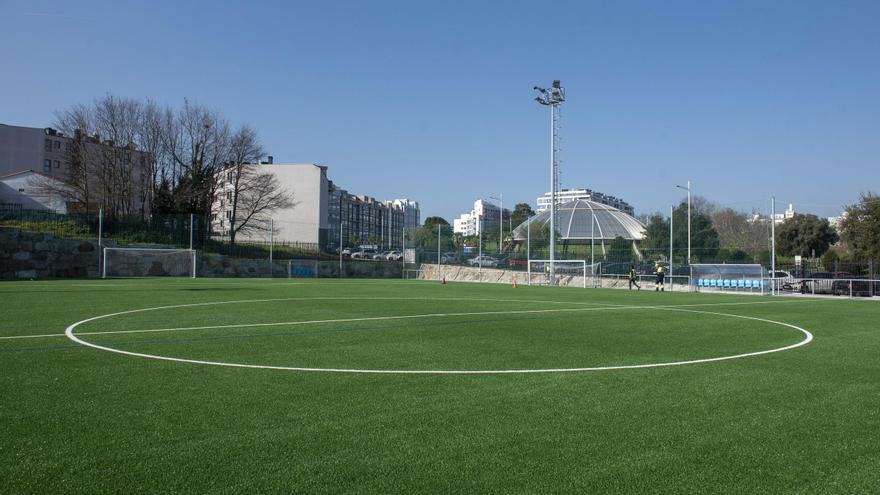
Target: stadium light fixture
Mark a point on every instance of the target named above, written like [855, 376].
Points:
[688, 189]
[552, 98]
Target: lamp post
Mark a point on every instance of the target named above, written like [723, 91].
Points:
[553, 97]
[688, 189]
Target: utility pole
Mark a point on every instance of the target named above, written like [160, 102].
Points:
[688, 189]
[438, 251]
[773, 245]
[671, 211]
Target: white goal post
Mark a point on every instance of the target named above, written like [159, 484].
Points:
[539, 271]
[148, 262]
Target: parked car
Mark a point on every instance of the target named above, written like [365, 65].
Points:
[483, 260]
[394, 255]
[383, 255]
[855, 287]
[450, 258]
[346, 252]
[363, 254]
[821, 282]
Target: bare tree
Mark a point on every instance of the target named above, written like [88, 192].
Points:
[76, 186]
[737, 231]
[252, 194]
[197, 142]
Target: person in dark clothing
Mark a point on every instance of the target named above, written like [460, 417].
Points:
[633, 279]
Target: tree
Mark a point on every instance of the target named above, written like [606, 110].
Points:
[252, 194]
[739, 231]
[521, 212]
[434, 221]
[197, 141]
[656, 240]
[102, 172]
[704, 238]
[860, 228]
[620, 250]
[805, 235]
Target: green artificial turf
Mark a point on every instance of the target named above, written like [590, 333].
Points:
[78, 419]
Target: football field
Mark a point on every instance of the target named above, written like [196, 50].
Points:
[372, 386]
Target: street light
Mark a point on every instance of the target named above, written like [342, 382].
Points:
[552, 98]
[688, 189]
[500, 199]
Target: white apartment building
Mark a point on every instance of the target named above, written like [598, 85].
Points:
[485, 215]
[568, 195]
[788, 213]
[304, 223]
[411, 213]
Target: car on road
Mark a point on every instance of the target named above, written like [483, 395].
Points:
[393, 255]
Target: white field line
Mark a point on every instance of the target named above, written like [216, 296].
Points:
[808, 337]
[603, 306]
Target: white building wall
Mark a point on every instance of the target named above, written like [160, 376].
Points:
[303, 222]
[24, 188]
[411, 213]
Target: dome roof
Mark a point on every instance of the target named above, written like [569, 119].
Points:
[573, 221]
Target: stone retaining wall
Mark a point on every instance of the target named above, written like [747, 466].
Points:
[34, 256]
[455, 273]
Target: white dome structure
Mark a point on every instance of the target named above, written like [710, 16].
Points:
[574, 223]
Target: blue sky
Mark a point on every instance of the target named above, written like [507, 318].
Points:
[433, 100]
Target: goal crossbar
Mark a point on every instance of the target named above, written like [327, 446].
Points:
[148, 262]
[562, 267]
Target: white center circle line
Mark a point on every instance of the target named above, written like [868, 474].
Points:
[69, 333]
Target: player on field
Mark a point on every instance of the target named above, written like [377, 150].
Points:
[633, 279]
[660, 276]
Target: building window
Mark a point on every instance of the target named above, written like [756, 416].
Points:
[57, 145]
[126, 156]
[48, 145]
[47, 165]
[57, 164]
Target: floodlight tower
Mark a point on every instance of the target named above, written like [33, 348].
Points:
[552, 98]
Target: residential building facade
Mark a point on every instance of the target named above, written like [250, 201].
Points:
[322, 212]
[105, 166]
[483, 216]
[356, 220]
[411, 214]
[568, 195]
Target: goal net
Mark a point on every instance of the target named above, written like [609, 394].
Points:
[302, 268]
[729, 277]
[568, 272]
[147, 262]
